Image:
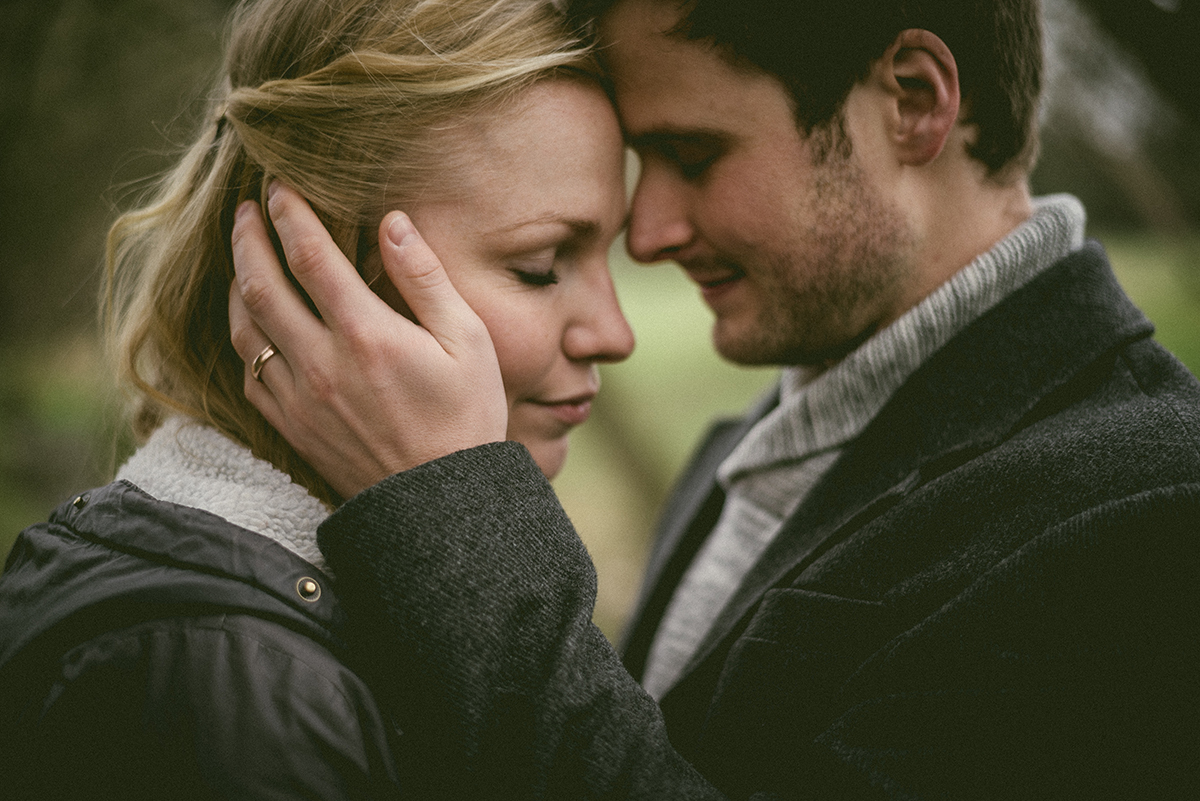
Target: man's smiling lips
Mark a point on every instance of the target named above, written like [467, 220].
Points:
[714, 282]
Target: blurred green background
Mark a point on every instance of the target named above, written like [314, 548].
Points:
[97, 96]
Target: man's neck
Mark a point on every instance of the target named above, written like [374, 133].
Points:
[962, 217]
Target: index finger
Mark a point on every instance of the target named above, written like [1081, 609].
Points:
[336, 288]
[273, 303]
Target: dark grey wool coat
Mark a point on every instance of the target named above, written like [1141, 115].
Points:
[993, 594]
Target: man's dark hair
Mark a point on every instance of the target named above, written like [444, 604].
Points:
[820, 48]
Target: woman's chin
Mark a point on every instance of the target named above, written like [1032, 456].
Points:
[550, 455]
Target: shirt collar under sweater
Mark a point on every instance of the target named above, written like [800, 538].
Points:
[822, 414]
[191, 464]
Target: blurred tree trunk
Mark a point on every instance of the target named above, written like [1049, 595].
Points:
[23, 35]
[24, 32]
[90, 91]
[1122, 121]
[1165, 37]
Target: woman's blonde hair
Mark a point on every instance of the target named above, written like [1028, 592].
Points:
[341, 99]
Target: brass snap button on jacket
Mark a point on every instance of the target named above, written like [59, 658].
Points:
[308, 589]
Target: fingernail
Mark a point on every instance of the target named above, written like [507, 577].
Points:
[272, 188]
[243, 209]
[399, 229]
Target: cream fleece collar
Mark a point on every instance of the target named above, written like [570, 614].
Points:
[190, 464]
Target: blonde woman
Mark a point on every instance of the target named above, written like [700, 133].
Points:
[175, 634]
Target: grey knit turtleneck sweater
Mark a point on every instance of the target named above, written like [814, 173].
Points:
[786, 453]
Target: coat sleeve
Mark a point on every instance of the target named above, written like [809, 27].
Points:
[471, 596]
[1065, 667]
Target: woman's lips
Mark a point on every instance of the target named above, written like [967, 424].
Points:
[572, 411]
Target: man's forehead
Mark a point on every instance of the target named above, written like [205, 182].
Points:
[669, 86]
[641, 18]
[645, 37]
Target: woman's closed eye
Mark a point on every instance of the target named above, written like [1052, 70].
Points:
[536, 269]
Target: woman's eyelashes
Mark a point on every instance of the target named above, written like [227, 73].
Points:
[536, 269]
[536, 279]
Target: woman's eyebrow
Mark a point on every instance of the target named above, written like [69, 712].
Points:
[579, 227]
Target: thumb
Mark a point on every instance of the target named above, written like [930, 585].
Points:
[421, 280]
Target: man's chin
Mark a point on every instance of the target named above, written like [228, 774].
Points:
[750, 346]
[739, 348]
[748, 342]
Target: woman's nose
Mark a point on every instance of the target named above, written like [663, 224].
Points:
[599, 331]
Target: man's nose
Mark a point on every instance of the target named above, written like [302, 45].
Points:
[659, 227]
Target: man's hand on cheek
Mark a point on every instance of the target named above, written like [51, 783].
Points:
[360, 392]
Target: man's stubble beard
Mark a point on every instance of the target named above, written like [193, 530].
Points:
[835, 285]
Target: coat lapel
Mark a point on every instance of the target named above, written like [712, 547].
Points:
[976, 391]
[687, 518]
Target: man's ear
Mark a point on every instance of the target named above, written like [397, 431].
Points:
[919, 71]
